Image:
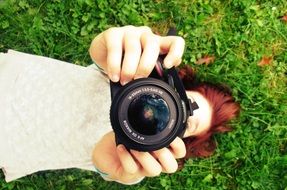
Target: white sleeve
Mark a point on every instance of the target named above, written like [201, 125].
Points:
[52, 114]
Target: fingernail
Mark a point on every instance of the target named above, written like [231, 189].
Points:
[124, 82]
[121, 148]
[115, 78]
[138, 77]
[133, 151]
[167, 64]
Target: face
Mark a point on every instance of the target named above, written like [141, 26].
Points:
[200, 121]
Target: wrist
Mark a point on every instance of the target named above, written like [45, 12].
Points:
[107, 177]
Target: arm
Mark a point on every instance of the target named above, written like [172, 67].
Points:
[141, 49]
[128, 167]
[52, 114]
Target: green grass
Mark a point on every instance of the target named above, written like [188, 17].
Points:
[237, 32]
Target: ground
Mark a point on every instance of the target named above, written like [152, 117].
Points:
[241, 43]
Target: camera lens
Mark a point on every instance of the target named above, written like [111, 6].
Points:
[148, 114]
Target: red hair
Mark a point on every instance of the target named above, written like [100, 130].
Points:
[224, 109]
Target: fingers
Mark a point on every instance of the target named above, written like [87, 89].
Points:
[177, 147]
[150, 43]
[174, 47]
[153, 45]
[166, 159]
[140, 48]
[133, 50]
[128, 163]
[135, 163]
[133, 44]
[163, 160]
[114, 46]
[167, 156]
[150, 166]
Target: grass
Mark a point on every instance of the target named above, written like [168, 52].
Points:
[238, 33]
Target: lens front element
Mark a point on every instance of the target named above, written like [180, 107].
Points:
[148, 114]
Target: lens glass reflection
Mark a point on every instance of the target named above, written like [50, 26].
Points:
[148, 114]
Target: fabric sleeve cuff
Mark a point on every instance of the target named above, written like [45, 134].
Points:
[105, 176]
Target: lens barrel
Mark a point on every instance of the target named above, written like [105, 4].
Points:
[146, 114]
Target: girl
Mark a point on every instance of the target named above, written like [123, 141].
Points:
[55, 115]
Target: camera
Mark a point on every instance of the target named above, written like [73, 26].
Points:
[148, 114]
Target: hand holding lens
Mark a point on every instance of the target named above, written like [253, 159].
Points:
[147, 114]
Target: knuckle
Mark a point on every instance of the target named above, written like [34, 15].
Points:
[130, 31]
[156, 41]
[133, 171]
[146, 29]
[110, 31]
[153, 40]
[180, 40]
[129, 27]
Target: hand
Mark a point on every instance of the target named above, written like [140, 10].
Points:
[141, 49]
[129, 166]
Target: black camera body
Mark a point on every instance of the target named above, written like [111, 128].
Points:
[148, 114]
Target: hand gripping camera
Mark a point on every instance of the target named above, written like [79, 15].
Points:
[148, 114]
